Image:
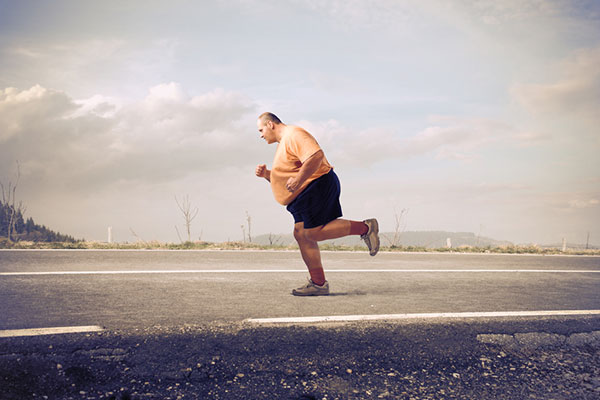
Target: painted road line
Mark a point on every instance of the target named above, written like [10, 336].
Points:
[383, 317]
[255, 271]
[50, 331]
[150, 271]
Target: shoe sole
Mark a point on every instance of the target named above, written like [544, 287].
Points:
[309, 294]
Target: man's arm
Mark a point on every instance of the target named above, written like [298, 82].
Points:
[310, 166]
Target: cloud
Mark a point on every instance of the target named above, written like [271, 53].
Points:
[583, 203]
[456, 137]
[576, 91]
[446, 137]
[356, 14]
[570, 202]
[89, 145]
[402, 15]
[23, 111]
[84, 66]
[494, 12]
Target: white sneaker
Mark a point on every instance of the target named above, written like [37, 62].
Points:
[371, 238]
[312, 289]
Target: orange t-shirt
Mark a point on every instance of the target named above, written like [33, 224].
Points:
[296, 146]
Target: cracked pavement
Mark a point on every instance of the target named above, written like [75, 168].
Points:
[552, 358]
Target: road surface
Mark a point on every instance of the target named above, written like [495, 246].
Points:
[140, 289]
[206, 324]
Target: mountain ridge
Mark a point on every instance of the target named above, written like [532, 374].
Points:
[427, 239]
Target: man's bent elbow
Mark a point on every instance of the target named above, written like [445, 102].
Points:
[319, 156]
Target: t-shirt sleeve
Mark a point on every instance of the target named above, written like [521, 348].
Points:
[303, 145]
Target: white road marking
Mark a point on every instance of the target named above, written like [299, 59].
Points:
[382, 317]
[254, 271]
[49, 331]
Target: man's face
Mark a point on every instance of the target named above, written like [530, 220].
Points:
[266, 131]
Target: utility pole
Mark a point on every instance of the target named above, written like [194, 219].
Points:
[110, 234]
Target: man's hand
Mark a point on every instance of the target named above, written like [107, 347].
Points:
[262, 172]
[292, 184]
[309, 167]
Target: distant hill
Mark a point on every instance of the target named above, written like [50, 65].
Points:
[27, 229]
[427, 239]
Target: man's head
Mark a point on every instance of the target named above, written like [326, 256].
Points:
[269, 126]
[268, 116]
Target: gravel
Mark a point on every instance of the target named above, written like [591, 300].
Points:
[507, 359]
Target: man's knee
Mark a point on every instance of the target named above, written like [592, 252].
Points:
[313, 234]
[299, 233]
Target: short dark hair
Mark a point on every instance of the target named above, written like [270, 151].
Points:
[268, 116]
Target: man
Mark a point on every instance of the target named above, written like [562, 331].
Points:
[303, 180]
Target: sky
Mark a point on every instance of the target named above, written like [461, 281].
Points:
[472, 116]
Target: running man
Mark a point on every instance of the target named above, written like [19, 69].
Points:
[303, 180]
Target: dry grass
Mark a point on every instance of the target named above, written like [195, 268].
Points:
[155, 245]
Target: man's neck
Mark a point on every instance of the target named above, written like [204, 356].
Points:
[279, 131]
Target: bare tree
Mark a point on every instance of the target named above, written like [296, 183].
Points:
[479, 234]
[178, 235]
[249, 220]
[400, 226]
[139, 239]
[12, 208]
[188, 214]
[587, 241]
[274, 240]
[243, 232]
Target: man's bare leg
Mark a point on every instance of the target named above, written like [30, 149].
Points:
[310, 254]
[368, 231]
[335, 229]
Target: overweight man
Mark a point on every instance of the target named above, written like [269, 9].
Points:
[303, 180]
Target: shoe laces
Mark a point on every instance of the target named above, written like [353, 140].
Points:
[308, 284]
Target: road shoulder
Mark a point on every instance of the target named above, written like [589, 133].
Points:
[493, 359]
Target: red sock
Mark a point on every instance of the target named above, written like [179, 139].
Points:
[317, 275]
[358, 228]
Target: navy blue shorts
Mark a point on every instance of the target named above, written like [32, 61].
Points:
[319, 203]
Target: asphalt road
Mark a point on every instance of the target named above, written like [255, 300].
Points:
[125, 289]
[177, 326]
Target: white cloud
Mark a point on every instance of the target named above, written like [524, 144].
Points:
[120, 66]
[446, 137]
[457, 138]
[575, 91]
[166, 92]
[107, 161]
[102, 106]
[22, 111]
[583, 203]
[26, 52]
[89, 143]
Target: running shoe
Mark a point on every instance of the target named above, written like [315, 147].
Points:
[371, 238]
[311, 289]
